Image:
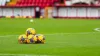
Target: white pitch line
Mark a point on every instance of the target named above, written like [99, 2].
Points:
[8, 35]
[55, 34]
[16, 55]
[72, 33]
[24, 55]
[97, 29]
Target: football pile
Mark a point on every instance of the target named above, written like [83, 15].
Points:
[31, 37]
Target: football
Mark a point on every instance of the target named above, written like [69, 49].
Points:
[30, 31]
[30, 39]
[40, 38]
[22, 39]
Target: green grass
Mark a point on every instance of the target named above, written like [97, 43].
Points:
[81, 41]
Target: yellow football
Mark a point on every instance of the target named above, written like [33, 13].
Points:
[30, 31]
[22, 39]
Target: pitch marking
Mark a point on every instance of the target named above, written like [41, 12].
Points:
[24, 55]
[55, 34]
[97, 29]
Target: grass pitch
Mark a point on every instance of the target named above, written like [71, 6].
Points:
[63, 37]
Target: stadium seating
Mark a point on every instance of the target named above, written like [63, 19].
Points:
[12, 3]
[40, 3]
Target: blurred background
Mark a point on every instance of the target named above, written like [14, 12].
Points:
[50, 9]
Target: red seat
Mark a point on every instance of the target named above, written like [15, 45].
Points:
[36, 2]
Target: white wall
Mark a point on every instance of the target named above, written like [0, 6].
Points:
[78, 12]
[32, 12]
[71, 12]
[0, 11]
[92, 12]
[98, 12]
[54, 12]
[62, 12]
[26, 11]
[7, 11]
[81, 12]
[17, 12]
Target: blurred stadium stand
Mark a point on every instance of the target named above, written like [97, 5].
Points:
[50, 8]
